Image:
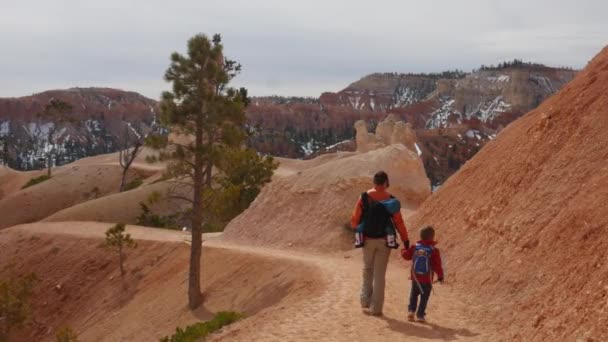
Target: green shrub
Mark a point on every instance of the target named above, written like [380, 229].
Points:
[66, 334]
[149, 219]
[198, 331]
[36, 180]
[134, 184]
[15, 302]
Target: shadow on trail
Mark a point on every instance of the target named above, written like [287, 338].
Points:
[427, 330]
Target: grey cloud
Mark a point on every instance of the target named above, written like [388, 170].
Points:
[286, 47]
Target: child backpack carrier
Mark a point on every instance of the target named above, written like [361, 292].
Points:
[375, 216]
[376, 222]
[422, 259]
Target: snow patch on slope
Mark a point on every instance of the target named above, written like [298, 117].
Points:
[490, 110]
[440, 117]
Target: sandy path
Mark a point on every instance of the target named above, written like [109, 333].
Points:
[336, 316]
[332, 316]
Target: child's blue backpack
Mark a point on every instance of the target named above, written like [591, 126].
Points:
[422, 259]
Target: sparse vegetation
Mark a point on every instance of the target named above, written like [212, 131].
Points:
[15, 310]
[117, 240]
[149, 219]
[36, 180]
[134, 184]
[66, 334]
[199, 331]
[96, 192]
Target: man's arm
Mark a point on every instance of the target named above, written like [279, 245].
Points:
[400, 226]
[356, 217]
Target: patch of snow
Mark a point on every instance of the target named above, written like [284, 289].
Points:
[436, 161]
[134, 130]
[337, 144]
[372, 104]
[440, 117]
[418, 150]
[5, 128]
[92, 125]
[544, 82]
[308, 147]
[490, 110]
[499, 78]
[404, 96]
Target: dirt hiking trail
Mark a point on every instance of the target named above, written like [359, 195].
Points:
[332, 315]
[335, 315]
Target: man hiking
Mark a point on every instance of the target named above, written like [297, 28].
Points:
[374, 216]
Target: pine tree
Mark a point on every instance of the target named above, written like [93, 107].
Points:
[117, 240]
[213, 161]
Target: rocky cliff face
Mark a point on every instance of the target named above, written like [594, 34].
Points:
[453, 113]
[97, 124]
[496, 96]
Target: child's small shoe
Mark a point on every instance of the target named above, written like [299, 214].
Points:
[420, 319]
[410, 316]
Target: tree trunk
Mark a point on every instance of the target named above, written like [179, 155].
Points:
[123, 179]
[195, 297]
[120, 260]
[48, 165]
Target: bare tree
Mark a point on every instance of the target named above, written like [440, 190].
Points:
[128, 153]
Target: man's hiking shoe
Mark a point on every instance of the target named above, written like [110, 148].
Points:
[420, 320]
[410, 316]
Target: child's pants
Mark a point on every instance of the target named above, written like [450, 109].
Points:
[424, 298]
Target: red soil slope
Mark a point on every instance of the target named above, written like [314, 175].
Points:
[90, 297]
[525, 223]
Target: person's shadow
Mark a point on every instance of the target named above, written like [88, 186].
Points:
[427, 330]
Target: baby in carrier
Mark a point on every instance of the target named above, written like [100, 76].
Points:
[376, 221]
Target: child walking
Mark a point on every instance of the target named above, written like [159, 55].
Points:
[426, 260]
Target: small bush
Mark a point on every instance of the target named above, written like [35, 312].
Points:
[149, 219]
[134, 184]
[198, 331]
[15, 302]
[36, 180]
[66, 334]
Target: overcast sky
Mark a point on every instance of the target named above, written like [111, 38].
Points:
[286, 47]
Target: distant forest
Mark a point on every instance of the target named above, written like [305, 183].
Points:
[518, 63]
[450, 74]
